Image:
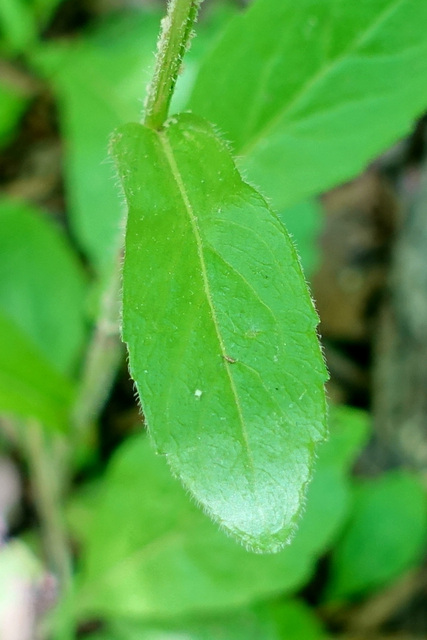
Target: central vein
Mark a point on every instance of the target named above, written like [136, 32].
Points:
[189, 209]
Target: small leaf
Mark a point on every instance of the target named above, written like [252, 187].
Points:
[29, 386]
[220, 329]
[385, 536]
[310, 92]
[148, 552]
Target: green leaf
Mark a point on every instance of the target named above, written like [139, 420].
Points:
[163, 557]
[29, 386]
[286, 621]
[310, 92]
[43, 10]
[385, 536]
[42, 285]
[220, 330]
[329, 495]
[148, 552]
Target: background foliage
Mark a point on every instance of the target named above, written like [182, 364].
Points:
[97, 538]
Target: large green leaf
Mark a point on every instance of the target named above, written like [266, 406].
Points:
[220, 329]
[385, 536]
[29, 386]
[148, 552]
[309, 92]
[42, 285]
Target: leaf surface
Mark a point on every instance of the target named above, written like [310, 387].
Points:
[220, 329]
[309, 92]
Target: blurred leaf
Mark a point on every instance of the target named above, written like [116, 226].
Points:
[329, 495]
[150, 552]
[384, 537]
[43, 10]
[12, 106]
[29, 386]
[286, 621]
[310, 92]
[42, 287]
[239, 295]
[17, 26]
[81, 508]
[303, 221]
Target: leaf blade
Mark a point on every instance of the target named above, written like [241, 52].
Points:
[326, 94]
[216, 316]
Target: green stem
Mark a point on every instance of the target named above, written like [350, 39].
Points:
[43, 463]
[103, 358]
[172, 44]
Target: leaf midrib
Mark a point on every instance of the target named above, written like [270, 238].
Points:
[319, 76]
[193, 221]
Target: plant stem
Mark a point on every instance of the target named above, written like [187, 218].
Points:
[47, 496]
[102, 359]
[173, 41]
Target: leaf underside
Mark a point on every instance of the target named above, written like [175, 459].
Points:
[220, 329]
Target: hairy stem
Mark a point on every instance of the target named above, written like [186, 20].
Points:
[172, 44]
